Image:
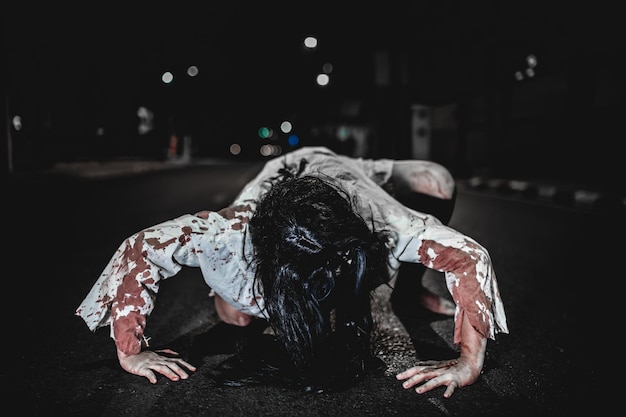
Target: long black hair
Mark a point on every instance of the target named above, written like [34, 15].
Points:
[317, 261]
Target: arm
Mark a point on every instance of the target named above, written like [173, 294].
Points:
[479, 311]
[166, 362]
[125, 293]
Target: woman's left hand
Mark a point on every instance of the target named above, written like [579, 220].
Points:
[453, 373]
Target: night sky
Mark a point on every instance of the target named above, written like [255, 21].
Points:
[74, 68]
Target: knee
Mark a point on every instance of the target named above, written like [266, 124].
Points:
[424, 177]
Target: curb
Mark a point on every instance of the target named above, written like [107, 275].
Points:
[563, 195]
[542, 192]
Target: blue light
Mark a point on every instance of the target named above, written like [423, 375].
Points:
[293, 139]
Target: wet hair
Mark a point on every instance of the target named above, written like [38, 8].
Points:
[316, 262]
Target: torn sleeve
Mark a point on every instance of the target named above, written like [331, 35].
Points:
[125, 292]
[470, 278]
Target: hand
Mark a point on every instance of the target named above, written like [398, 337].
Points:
[453, 373]
[147, 362]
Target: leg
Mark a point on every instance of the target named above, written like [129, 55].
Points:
[230, 314]
[408, 284]
[424, 178]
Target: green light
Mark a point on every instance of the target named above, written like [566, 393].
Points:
[264, 132]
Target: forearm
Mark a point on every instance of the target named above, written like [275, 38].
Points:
[134, 297]
[473, 346]
[132, 276]
[128, 333]
[470, 278]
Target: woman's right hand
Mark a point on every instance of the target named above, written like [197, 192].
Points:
[147, 363]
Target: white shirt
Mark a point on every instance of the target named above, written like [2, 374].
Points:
[219, 244]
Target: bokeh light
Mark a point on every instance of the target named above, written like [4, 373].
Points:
[293, 140]
[192, 71]
[310, 42]
[235, 149]
[323, 79]
[270, 150]
[17, 122]
[265, 132]
[285, 127]
[167, 77]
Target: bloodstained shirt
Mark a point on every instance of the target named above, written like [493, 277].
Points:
[220, 245]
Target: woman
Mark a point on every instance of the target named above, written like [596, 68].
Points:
[302, 246]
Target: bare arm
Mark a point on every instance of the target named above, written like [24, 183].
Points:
[125, 293]
[479, 311]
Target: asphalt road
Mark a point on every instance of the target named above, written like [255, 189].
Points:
[551, 264]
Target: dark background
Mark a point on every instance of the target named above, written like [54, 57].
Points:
[76, 75]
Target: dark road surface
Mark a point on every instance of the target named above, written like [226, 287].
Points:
[553, 264]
